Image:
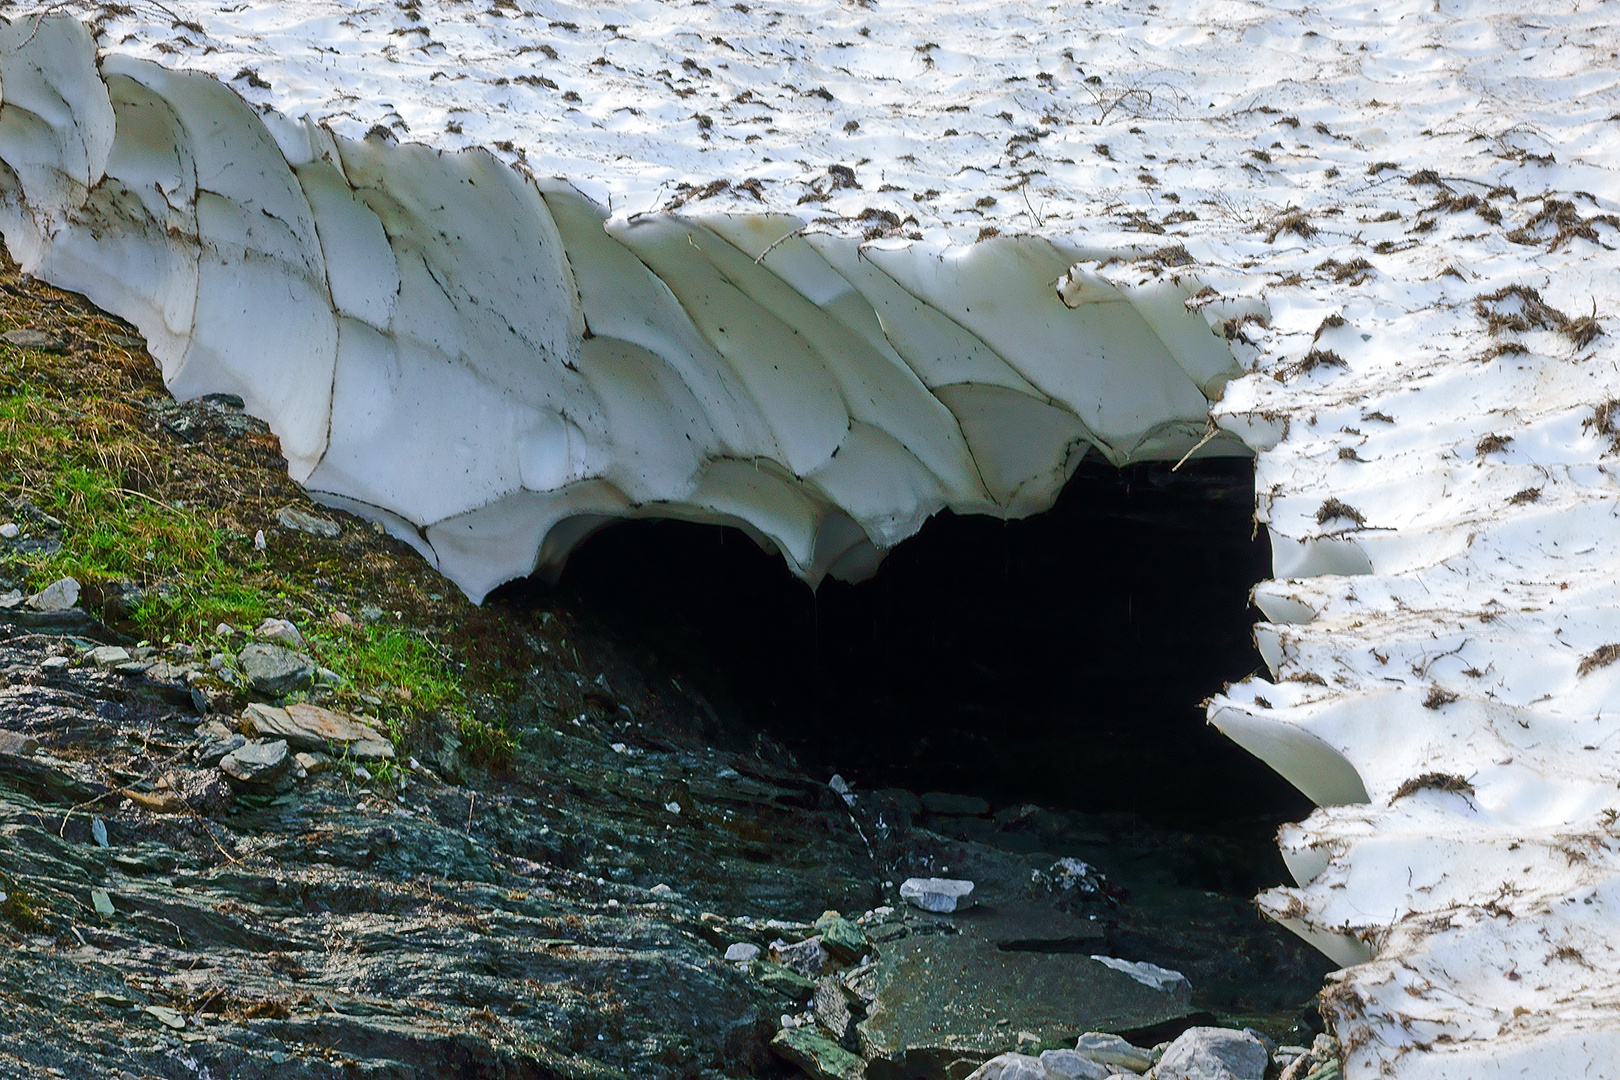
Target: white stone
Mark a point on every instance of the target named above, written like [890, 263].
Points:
[1009, 1067]
[741, 952]
[1208, 1053]
[57, 596]
[282, 632]
[939, 895]
[9, 530]
[1072, 1065]
[1162, 979]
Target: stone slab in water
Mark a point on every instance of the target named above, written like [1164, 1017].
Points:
[1029, 925]
[940, 999]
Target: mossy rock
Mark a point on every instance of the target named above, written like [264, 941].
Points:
[781, 979]
[817, 1055]
[841, 937]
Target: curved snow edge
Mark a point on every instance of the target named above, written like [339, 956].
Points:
[491, 367]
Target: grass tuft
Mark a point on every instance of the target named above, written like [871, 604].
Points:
[1333, 509]
[1600, 657]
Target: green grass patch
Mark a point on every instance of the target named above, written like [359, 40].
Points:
[109, 531]
[414, 680]
[85, 470]
[108, 491]
[396, 664]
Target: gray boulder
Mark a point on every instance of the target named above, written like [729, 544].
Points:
[1113, 1051]
[274, 671]
[258, 764]
[1205, 1053]
[107, 656]
[57, 596]
[281, 632]
[807, 957]
[1071, 876]
[1010, 1067]
[1073, 1065]
[833, 1008]
[214, 741]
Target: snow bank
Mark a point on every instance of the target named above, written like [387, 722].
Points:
[493, 367]
[821, 272]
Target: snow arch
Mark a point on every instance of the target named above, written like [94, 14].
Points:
[492, 366]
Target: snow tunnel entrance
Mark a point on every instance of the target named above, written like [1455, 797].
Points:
[1061, 659]
[1050, 669]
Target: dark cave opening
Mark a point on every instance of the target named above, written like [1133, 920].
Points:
[1052, 668]
[1059, 660]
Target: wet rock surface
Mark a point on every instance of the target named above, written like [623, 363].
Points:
[616, 902]
[952, 997]
[507, 928]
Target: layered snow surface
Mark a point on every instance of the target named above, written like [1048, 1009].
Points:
[497, 277]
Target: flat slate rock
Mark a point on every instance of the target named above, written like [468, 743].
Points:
[73, 622]
[1032, 925]
[45, 782]
[18, 745]
[34, 339]
[310, 727]
[817, 1055]
[290, 517]
[940, 997]
[258, 763]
